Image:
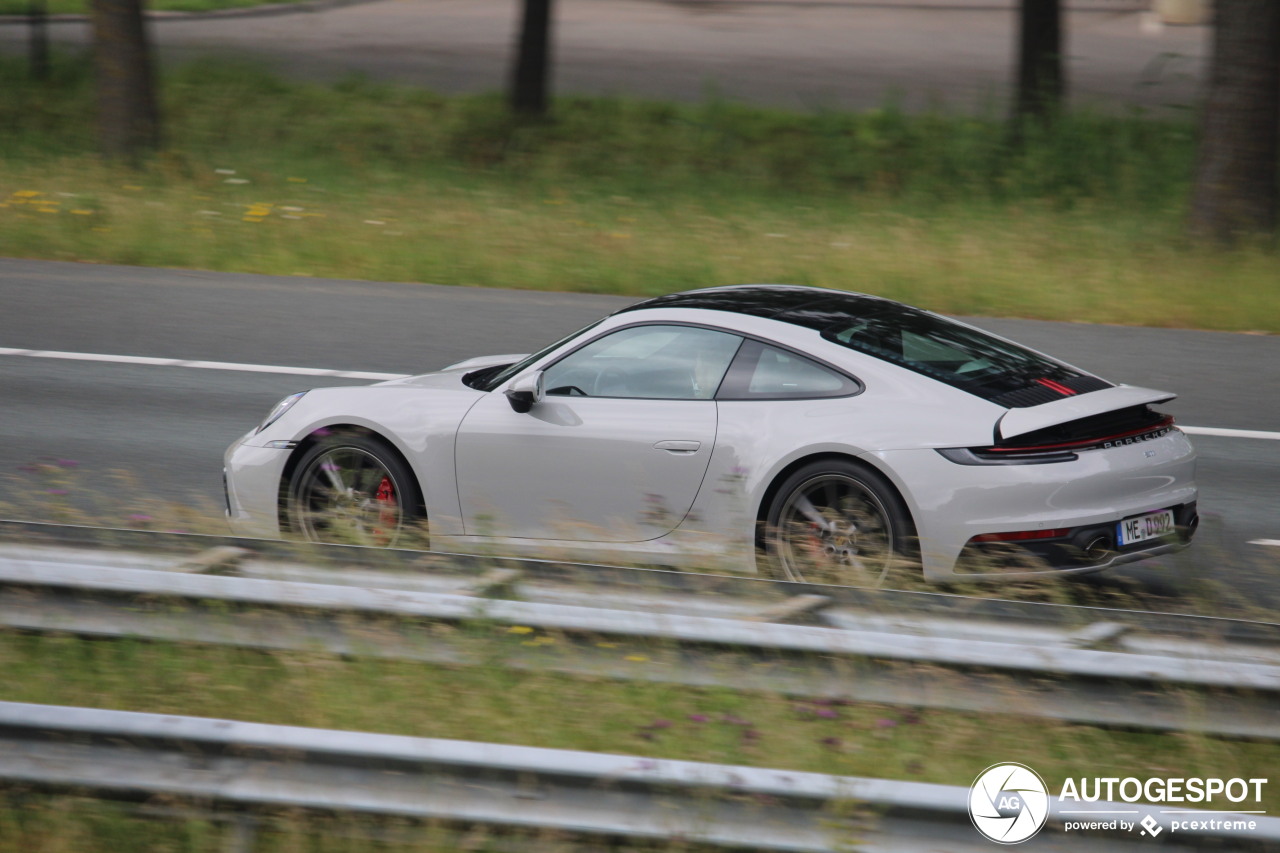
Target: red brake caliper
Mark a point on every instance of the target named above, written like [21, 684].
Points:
[386, 499]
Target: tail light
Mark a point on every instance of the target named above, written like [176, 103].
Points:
[1027, 450]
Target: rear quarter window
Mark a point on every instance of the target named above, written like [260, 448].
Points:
[965, 358]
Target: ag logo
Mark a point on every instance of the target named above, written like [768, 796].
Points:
[1008, 803]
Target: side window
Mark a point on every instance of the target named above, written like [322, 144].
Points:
[762, 372]
[651, 362]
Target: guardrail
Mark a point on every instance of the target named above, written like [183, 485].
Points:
[255, 766]
[1108, 671]
[391, 568]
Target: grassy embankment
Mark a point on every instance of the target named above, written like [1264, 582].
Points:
[365, 181]
[496, 704]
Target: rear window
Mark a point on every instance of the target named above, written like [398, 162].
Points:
[965, 358]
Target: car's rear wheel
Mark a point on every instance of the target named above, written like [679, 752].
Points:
[836, 522]
[353, 490]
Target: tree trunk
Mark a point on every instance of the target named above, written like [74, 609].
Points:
[128, 117]
[1041, 79]
[529, 78]
[1236, 190]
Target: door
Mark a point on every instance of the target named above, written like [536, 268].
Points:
[615, 452]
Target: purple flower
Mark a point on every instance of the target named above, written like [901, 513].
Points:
[698, 718]
[735, 721]
[826, 713]
[660, 724]
[884, 723]
[29, 469]
[140, 517]
[68, 463]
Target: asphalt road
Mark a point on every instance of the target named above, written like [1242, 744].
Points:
[814, 54]
[167, 426]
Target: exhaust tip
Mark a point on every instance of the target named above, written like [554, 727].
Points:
[1098, 549]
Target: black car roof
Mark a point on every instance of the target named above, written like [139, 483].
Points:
[813, 307]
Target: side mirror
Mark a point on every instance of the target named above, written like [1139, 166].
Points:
[525, 392]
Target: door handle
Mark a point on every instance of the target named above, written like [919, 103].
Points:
[678, 447]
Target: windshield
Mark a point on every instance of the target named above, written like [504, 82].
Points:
[488, 383]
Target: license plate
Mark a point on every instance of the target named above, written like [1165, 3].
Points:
[1140, 528]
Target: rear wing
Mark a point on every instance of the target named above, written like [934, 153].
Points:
[1017, 422]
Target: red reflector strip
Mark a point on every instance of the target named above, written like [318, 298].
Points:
[1057, 386]
[1022, 535]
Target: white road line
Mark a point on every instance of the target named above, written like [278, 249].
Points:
[377, 377]
[1275, 543]
[1230, 433]
[200, 365]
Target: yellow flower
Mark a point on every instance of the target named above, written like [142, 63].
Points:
[252, 219]
[27, 193]
[82, 212]
[637, 658]
[519, 629]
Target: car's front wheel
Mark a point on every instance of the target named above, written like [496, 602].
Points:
[352, 490]
[837, 522]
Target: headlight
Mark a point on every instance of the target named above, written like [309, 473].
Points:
[280, 408]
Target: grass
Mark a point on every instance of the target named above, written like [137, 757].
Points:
[357, 180]
[491, 703]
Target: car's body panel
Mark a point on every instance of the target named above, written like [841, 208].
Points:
[487, 361]
[587, 477]
[605, 469]
[252, 481]
[959, 502]
[419, 416]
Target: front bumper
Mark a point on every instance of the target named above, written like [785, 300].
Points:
[251, 478]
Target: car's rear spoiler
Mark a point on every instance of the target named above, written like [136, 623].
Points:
[1017, 422]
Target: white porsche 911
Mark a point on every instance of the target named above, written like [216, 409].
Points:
[812, 434]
